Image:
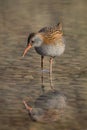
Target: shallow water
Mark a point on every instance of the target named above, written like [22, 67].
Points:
[20, 78]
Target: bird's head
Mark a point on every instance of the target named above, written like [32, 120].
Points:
[34, 40]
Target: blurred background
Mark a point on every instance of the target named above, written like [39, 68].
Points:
[20, 77]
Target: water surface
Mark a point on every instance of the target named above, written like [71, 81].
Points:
[20, 78]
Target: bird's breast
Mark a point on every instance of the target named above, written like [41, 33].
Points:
[54, 49]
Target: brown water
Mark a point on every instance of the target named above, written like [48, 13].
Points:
[20, 77]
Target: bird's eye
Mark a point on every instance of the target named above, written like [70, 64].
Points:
[32, 41]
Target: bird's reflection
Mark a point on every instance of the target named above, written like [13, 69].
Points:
[48, 107]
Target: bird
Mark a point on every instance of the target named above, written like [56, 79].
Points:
[48, 41]
[48, 107]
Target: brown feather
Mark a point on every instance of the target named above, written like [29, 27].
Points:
[50, 34]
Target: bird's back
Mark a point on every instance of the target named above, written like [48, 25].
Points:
[53, 41]
[50, 34]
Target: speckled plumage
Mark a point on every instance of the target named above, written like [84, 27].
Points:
[53, 43]
[51, 33]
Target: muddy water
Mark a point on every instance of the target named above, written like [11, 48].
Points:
[20, 78]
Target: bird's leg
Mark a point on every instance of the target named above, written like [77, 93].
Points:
[50, 73]
[51, 59]
[42, 58]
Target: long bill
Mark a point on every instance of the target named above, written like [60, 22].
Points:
[26, 49]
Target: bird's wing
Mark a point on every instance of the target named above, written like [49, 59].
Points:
[52, 29]
[51, 33]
